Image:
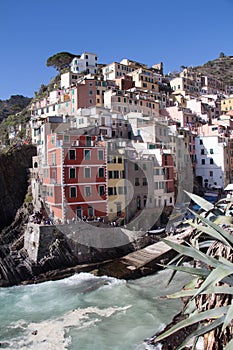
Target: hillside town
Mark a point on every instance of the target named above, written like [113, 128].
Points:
[120, 141]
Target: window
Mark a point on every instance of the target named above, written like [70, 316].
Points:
[202, 151]
[53, 140]
[112, 191]
[87, 172]
[135, 166]
[72, 192]
[101, 190]
[87, 191]
[72, 173]
[211, 151]
[137, 183]
[101, 172]
[100, 154]
[66, 138]
[72, 154]
[53, 158]
[211, 161]
[144, 181]
[211, 173]
[144, 166]
[120, 160]
[87, 154]
[203, 161]
[201, 142]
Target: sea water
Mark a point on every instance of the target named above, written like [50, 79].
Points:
[84, 312]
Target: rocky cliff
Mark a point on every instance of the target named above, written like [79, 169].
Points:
[14, 176]
[61, 255]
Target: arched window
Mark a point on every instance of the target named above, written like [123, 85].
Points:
[91, 211]
[79, 212]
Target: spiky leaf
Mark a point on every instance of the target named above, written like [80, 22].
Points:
[194, 318]
[203, 203]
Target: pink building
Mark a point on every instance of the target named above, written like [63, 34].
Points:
[183, 117]
[74, 178]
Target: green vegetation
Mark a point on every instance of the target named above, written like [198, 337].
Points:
[208, 308]
[13, 105]
[28, 198]
[60, 60]
[220, 68]
[14, 124]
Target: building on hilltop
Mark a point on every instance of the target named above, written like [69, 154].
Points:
[87, 63]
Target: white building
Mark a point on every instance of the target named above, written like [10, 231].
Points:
[68, 79]
[87, 63]
[212, 167]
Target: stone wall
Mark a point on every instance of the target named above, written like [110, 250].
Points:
[79, 243]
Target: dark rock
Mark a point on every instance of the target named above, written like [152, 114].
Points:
[14, 181]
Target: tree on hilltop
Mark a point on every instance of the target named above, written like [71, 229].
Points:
[60, 60]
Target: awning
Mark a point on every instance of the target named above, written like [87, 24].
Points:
[229, 187]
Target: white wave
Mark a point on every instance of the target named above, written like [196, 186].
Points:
[82, 277]
[52, 334]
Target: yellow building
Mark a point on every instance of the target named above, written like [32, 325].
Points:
[116, 186]
[227, 105]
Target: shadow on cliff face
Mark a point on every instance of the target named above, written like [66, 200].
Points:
[14, 175]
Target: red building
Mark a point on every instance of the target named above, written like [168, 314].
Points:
[74, 177]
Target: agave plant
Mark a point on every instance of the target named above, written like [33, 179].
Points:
[209, 298]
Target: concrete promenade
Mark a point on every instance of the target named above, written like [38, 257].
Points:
[143, 261]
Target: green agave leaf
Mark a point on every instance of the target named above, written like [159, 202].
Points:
[174, 271]
[214, 277]
[201, 331]
[194, 318]
[226, 262]
[192, 252]
[206, 244]
[211, 290]
[229, 346]
[190, 270]
[203, 203]
[223, 219]
[216, 227]
[212, 233]
[176, 258]
[229, 317]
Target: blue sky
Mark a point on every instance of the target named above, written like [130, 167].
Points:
[177, 33]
